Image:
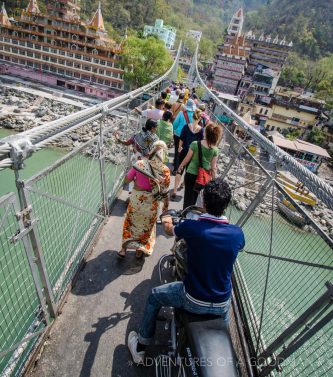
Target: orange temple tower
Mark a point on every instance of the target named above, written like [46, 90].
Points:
[60, 49]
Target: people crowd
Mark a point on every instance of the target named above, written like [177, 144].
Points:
[178, 120]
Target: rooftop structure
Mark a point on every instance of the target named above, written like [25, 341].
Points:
[194, 34]
[58, 48]
[236, 25]
[166, 33]
[309, 155]
[4, 20]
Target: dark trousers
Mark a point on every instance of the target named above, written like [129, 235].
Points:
[190, 196]
[176, 156]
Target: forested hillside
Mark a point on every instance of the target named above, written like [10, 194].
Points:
[308, 23]
[209, 16]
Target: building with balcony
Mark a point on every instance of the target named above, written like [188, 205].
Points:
[292, 110]
[59, 49]
[269, 52]
[230, 64]
[309, 155]
[163, 32]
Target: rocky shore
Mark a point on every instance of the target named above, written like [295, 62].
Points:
[21, 111]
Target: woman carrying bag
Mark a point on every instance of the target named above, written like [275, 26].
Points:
[206, 160]
[190, 132]
[152, 180]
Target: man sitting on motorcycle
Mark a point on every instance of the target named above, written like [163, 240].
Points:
[212, 248]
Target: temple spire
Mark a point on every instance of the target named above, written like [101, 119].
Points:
[32, 7]
[97, 21]
[236, 25]
[4, 20]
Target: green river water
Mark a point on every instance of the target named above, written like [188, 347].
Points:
[292, 284]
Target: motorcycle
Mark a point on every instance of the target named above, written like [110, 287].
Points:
[200, 345]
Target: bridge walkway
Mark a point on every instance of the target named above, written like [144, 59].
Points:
[105, 303]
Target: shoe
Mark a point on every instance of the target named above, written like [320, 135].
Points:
[132, 342]
[173, 196]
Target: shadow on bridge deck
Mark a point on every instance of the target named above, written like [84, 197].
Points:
[107, 301]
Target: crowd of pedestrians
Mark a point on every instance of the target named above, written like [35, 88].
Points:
[179, 121]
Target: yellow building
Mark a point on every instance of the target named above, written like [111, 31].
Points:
[293, 110]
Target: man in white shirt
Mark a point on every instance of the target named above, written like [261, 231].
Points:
[155, 113]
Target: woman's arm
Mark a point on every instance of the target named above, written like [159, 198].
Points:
[186, 160]
[213, 164]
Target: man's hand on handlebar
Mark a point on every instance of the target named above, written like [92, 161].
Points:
[167, 218]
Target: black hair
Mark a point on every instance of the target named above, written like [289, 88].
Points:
[159, 102]
[164, 95]
[216, 196]
[167, 106]
[167, 115]
[150, 124]
[181, 96]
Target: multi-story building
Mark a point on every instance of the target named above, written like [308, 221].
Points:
[58, 48]
[231, 59]
[196, 34]
[166, 33]
[230, 65]
[263, 71]
[294, 110]
[268, 52]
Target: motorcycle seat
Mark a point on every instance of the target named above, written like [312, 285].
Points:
[209, 345]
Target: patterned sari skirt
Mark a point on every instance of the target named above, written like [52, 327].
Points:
[139, 230]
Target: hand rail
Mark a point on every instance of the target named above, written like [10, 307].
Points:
[315, 184]
[69, 122]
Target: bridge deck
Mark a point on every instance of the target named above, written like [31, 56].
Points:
[105, 304]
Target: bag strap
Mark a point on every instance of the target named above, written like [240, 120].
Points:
[186, 117]
[177, 111]
[200, 153]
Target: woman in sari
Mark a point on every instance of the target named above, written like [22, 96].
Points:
[143, 140]
[151, 185]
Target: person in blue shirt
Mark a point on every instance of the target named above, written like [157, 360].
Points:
[212, 248]
[184, 117]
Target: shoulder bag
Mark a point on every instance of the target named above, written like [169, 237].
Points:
[204, 175]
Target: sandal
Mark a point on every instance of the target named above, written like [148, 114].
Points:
[121, 256]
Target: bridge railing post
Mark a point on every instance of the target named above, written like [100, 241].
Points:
[101, 158]
[37, 253]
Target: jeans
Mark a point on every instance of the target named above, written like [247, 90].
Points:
[173, 294]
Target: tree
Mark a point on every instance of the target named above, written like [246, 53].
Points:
[144, 59]
[292, 134]
[316, 136]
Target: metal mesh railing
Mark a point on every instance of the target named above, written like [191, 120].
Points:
[286, 262]
[62, 208]
[21, 315]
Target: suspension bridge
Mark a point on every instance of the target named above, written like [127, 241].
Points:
[67, 302]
